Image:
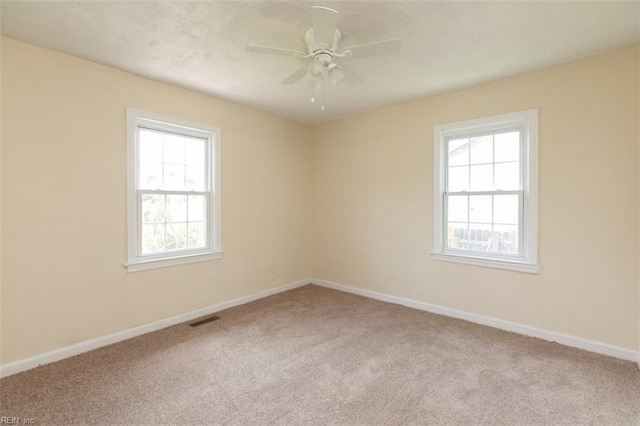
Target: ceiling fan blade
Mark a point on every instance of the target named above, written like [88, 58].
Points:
[274, 50]
[295, 76]
[351, 78]
[377, 48]
[324, 26]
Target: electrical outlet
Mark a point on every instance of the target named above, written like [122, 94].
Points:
[274, 268]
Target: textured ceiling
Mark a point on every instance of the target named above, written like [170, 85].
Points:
[447, 45]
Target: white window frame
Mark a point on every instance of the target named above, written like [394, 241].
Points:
[137, 119]
[527, 261]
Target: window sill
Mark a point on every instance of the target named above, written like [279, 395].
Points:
[509, 265]
[166, 262]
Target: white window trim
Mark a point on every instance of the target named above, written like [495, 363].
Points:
[529, 261]
[214, 251]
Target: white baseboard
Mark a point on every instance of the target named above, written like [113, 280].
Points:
[563, 339]
[88, 345]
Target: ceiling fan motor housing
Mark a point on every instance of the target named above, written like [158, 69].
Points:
[324, 57]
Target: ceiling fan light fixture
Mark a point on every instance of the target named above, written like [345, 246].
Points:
[315, 78]
[335, 73]
[316, 68]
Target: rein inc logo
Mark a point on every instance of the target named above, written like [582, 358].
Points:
[17, 421]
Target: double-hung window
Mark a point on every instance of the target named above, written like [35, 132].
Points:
[173, 194]
[485, 194]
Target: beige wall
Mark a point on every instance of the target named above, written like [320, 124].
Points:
[64, 203]
[372, 215]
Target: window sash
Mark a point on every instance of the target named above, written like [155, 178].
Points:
[510, 129]
[180, 252]
[520, 224]
[176, 130]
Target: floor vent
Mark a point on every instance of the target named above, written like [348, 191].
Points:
[204, 321]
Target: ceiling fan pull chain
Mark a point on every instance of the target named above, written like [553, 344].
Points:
[323, 95]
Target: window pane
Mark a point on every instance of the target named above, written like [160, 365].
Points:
[173, 177]
[458, 208]
[194, 152]
[150, 175]
[152, 208]
[150, 146]
[459, 152]
[508, 176]
[505, 209]
[152, 238]
[457, 235]
[481, 149]
[196, 208]
[479, 236]
[481, 178]
[507, 146]
[505, 239]
[196, 235]
[480, 208]
[173, 149]
[195, 178]
[176, 236]
[176, 208]
[458, 179]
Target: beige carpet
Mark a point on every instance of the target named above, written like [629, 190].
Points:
[319, 356]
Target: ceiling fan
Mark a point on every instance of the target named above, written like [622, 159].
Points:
[322, 41]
